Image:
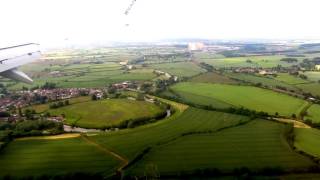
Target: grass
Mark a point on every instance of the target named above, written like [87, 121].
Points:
[244, 96]
[267, 81]
[313, 75]
[102, 113]
[256, 145]
[257, 61]
[133, 141]
[181, 69]
[307, 140]
[81, 75]
[212, 77]
[289, 79]
[314, 113]
[59, 156]
[312, 88]
[204, 100]
[40, 108]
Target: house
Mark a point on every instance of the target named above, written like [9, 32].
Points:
[123, 63]
[264, 72]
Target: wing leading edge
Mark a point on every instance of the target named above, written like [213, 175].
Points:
[13, 57]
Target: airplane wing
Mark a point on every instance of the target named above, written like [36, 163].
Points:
[13, 57]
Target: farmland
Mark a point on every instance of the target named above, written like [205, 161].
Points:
[40, 108]
[250, 145]
[255, 79]
[312, 88]
[313, 75]
[244, 96]
[212, 77]
[181, 69]
[54, 156]
[104, 113]
[314, 113]
[86, 75]
[197, 136]
[131, 142]
[290, 79]
[256, 61]
[307, 140]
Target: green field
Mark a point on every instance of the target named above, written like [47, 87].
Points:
[289, 79]
[181, 69]
[212, 77]
[307, 140]
[314, 113]
[256, 145]
[40, 108]
[131, 142]
[244, 96]
[313, 75]
[312, 88]
[266, 81]
[257, 61]
[54, 156]
[103, 113]
[204, 100]
[83, 75]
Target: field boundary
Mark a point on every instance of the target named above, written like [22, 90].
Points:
[52, 137]
[124, 161]
[144, 152]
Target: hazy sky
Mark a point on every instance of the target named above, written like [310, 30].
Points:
[62, 21]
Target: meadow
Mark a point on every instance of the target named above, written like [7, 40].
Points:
[307, 140]
[312, 75]
[290, 79]
[256, 61]
[131, 142]
[314, 113]
[312, 88]
[180, 69]
[104, 113]
[40, 108]
[255, 145]
[213, 77]
[244, 96]
[54, 156]
[264, 80]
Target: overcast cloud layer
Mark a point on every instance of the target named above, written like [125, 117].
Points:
[84, 21]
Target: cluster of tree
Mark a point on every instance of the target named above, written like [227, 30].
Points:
[162, 84]
[49, 85]
[3, 89]
[254, 47]
[312, 123]
[243, 172]
[289, 60]
[232, 54]
[59, 104]
[38, 99]
[310, 64]
[5, 137]
[206, 66]
[131, 123]
[28, 113]
[60, 176]
[302, 76]
[31, 128]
